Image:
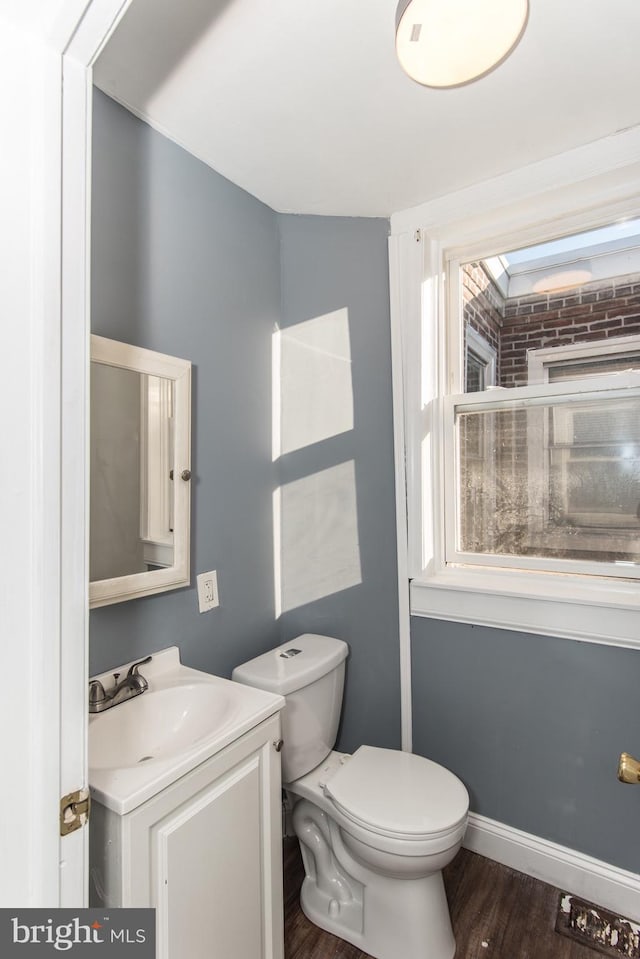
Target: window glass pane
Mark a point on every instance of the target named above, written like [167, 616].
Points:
[589, 367]
[475, 374]
[560, 480]
[558, 296]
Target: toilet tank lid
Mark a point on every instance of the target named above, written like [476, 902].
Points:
[293, 665]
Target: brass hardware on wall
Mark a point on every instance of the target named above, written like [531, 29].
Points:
[628, 769]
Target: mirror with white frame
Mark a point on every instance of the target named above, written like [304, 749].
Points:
[140, 474]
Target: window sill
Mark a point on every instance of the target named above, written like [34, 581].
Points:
[599, 611]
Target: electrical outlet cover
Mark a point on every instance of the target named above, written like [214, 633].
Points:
[207, 591]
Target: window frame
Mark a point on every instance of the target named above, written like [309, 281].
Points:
[425, 244]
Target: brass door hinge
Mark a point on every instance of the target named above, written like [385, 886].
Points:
[74, 811]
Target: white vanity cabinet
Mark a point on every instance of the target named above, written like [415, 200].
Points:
[205, 851]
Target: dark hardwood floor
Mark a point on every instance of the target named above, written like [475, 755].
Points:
[497, 913]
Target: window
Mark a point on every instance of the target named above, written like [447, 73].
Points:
[611, 355]
[596, 454]
[480, 362]
[522, 392]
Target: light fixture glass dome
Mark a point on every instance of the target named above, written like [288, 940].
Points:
[446, 43]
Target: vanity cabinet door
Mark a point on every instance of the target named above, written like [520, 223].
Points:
[207, 854]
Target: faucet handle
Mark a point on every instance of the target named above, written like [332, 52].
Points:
[96, 692]
[133, 670]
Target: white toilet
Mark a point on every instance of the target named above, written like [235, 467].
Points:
[375, 828]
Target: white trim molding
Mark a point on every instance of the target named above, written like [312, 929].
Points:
[554, 187]
[46, 51]
[570, 871]
[398, 289]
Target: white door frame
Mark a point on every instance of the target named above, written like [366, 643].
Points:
[45, 181]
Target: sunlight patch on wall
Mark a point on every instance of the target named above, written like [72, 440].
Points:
[316, 544]
[313, 393]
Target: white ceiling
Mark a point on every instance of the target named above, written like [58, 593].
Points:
[302, 102]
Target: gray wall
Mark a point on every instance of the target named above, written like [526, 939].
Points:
[533, 726]
[329, 265]
[188, 264]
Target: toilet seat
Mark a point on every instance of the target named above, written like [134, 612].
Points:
[398, 795]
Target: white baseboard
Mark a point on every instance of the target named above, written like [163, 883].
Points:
[571, 871]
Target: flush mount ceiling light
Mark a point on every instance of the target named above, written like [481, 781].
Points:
[446, 43]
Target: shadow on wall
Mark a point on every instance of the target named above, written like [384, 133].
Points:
[315, 514]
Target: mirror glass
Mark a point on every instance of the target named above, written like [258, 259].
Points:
[131, 472]
[139, 472]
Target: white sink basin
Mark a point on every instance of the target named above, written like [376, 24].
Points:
[158, 724]
[140, 746]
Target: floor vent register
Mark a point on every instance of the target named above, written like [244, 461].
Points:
[592, 926]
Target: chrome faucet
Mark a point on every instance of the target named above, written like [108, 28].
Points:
[132, 685]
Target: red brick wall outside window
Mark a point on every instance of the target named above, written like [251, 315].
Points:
[512, 326]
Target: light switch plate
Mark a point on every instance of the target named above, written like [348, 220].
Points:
[207, 590]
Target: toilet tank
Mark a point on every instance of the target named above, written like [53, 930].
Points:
[309, 673]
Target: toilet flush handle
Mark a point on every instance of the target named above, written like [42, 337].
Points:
[628, 769]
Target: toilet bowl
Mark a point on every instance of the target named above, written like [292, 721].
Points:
[375, 828]
[374, 857]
